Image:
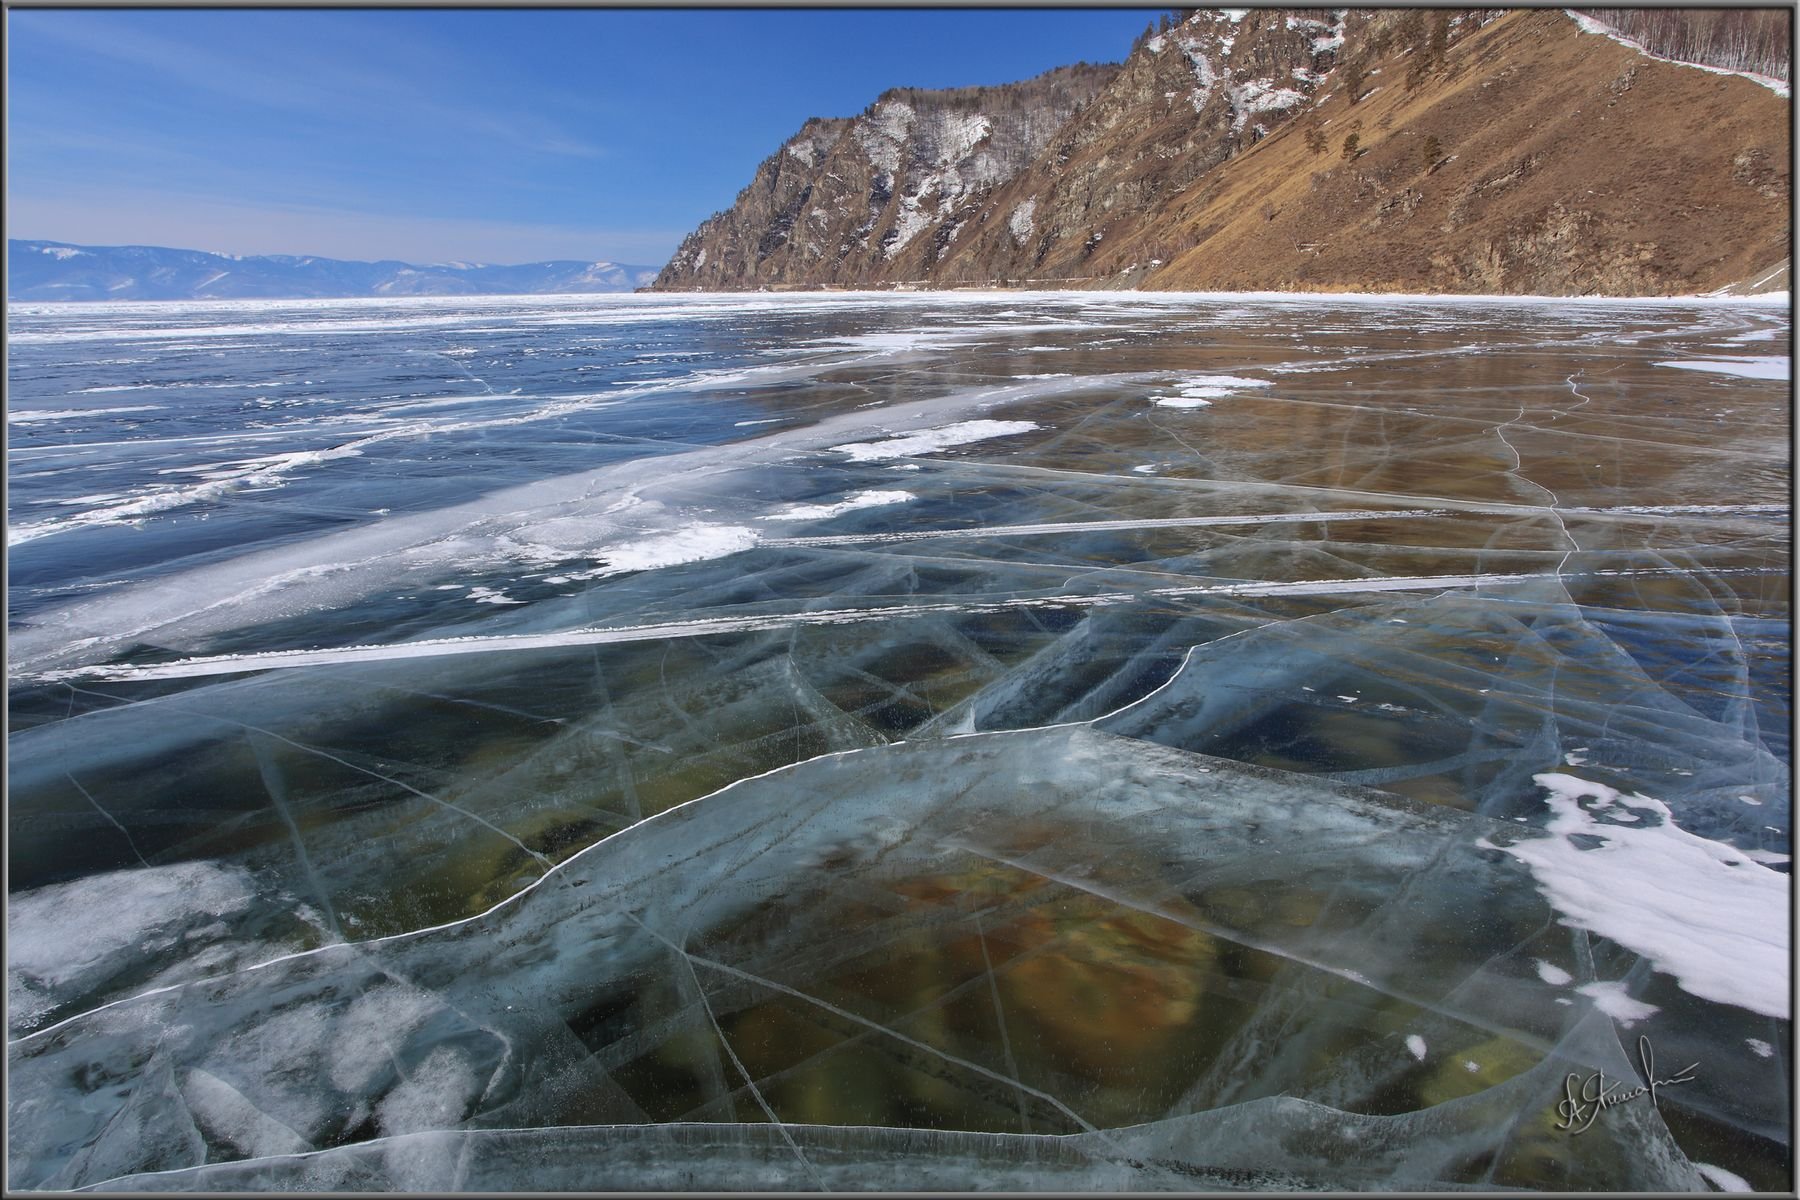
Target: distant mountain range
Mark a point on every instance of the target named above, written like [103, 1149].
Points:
[60, 271]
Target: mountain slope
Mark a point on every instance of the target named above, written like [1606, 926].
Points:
[1564, 163]
[1184, 103]
[62, 272]
[1496, 151]
[880, 195]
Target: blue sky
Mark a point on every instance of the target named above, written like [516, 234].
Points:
[438, 135]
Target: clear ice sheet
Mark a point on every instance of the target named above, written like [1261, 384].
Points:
[512, 750]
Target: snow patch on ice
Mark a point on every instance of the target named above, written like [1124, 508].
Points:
[485, 595]
[1231, 381]
[1725, 1181]
[820, 512]
[230, 1116]
[1416, 1044]
[925, 441]
[219, 481]
[1770, 366]
[1554, 975]
[76, 935]
[32, 416]
[1700, 910]
[436, 1095]
[691, 543]
[1759, 1047]
[383, 1016]
[1201, 390]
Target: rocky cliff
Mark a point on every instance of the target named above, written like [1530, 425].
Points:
[846, 201]
[1488, 151]
[1185, 103]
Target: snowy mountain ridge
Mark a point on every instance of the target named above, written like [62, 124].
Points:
[58, 271]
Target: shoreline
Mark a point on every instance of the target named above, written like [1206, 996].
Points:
[1782, 298]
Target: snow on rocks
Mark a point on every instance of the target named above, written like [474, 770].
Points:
[959, 134]
[1195, 48]
[1259, 96]
[884, 131]
[806, 150]
[1020, 224]
[948, 152]
[1333, 38]
[911, 221]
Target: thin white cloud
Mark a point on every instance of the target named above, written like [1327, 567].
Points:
[331, 75]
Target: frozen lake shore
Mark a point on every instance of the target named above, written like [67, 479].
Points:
[1092, 727]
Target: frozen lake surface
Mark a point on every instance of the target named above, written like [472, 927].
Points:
[1034, 740]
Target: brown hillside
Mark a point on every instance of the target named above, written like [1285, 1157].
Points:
[1567, 164]
[1496, 152]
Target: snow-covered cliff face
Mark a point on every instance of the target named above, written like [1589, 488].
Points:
[844, 200]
